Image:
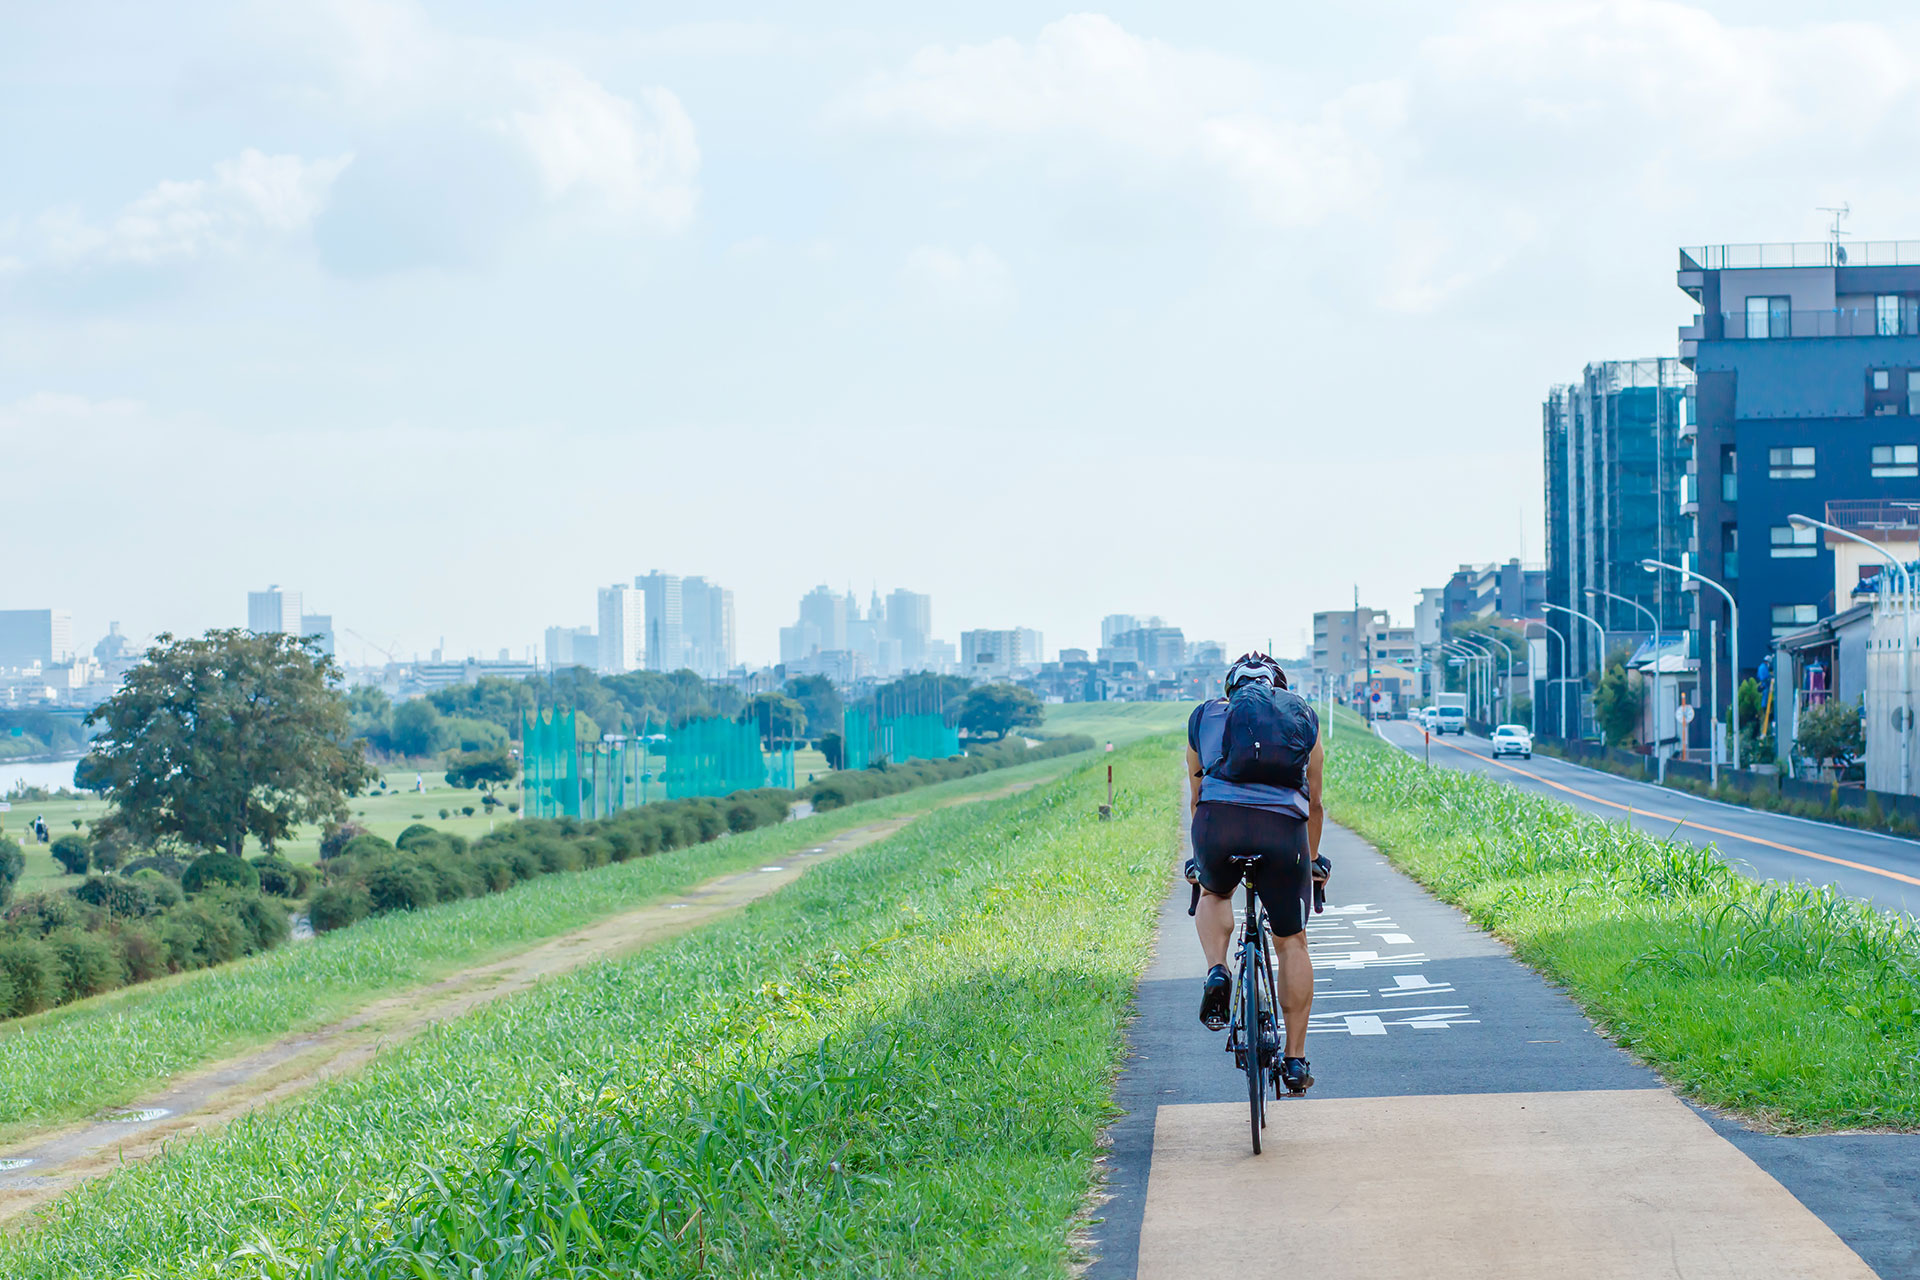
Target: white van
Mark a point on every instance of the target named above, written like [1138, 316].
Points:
[1450, 720]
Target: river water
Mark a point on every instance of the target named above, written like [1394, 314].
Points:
[52, 774]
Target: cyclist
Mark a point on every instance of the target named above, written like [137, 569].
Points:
[1282, 824]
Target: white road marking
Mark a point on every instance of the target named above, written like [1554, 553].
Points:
[1396, 940]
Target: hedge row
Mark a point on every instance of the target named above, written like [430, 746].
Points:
[423, 867]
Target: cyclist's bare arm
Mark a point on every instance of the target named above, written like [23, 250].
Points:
[1194, 774]
[1316, 764]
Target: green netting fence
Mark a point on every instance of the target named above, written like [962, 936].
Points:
[712, 757]
[871, 738]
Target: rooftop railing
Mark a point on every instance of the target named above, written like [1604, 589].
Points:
[1815, 253]
[1862, 515]
[1852, 322]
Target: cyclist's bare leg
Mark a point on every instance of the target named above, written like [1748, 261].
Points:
[1213, 919]
[1295, 982]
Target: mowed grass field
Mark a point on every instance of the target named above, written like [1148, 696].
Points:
[384, 815]
[898, 1065]
[1121, 723]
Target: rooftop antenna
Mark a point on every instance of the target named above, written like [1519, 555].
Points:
[1840, 214]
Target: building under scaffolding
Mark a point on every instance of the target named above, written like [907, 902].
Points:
[1617, 463]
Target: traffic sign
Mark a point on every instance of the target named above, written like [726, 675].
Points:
[1684, 714]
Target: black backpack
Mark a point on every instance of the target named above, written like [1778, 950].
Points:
[1268, 736]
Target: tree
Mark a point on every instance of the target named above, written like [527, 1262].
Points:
[1832, 734]
[211, 740]
[416, 728]
[1616, 703]
[471, 768]
[997, 709]
[820, 700]
[781, 719]
[72, 853]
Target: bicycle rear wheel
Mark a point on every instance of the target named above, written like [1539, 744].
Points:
[1250, 1011]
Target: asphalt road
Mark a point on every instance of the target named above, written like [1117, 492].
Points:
[1467, 1120]
[1884, 870]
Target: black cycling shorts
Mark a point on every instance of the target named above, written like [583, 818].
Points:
[1284, 875]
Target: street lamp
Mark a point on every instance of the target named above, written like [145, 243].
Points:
[1733, 656]
[1595, 591]
[1564, 678]
[1473, 659]
[1508, 651]
[1906, 641]
[1589, 619]
[1482, 654]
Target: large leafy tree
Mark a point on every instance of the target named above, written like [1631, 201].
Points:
[1832, 734]
[234, 734]
[998, 709]
[820, 701]
[1617, 701]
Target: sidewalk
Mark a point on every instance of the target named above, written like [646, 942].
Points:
[1467, 1121]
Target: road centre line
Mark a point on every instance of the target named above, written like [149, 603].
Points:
[1686, 822]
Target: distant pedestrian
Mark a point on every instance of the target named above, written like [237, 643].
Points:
[419, 783]
[40, 829]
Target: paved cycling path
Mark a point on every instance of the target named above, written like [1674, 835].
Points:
[1467, 1120]
[1882, 869]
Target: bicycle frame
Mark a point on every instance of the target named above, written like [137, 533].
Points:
[1256, 1005]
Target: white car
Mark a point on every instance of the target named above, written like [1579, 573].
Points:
[1512, 740]
[1424, 718]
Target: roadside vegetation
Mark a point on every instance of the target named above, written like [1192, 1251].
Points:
[1120, 723]
[74, 1060]
[897, 1065]
[1795, 1006]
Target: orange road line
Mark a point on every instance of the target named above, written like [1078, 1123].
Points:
[1685, 822]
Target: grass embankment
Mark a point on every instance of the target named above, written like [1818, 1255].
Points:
[1120, 723]
[76, 1059]
[1795, 1006]
[898, 1065]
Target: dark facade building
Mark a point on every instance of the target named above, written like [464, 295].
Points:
[1807, 366]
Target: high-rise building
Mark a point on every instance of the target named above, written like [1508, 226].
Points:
[1806, 359]
[621, 642]
[321, 625]
[706, 626]
[273, 610]
[910, 621]
[1340, 638]
[1616, 470]
[1159, 649]
[986, 653]
[572, 647]
[1116, 624]
[30, 637]
[666, 616]
[821, 628]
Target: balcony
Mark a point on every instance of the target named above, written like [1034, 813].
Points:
[1818, 253]
[1853, 322]
[1689, 494]
[1870, 516]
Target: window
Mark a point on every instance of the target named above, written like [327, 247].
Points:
[1896, 461]
[1791, 542]
[1913, 391]
[1791, 617]
[1729, 474]
[1881, 377]
[1730, 551]
[1790, 464]
[1770, 317]
[1886, 315]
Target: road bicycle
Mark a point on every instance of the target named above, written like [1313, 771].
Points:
[1253, 1028]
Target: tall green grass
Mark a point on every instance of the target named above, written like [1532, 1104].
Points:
[77, 1059]
[898, 1065]
[1794, 1005]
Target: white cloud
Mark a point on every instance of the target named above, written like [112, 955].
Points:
[976, 277]
[1091, 91]
[251, 198]
[620, 156]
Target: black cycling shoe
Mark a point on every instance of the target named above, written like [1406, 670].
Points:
[1294, 1075]
[1215, 997]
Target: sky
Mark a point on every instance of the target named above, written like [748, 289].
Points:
[446, 314]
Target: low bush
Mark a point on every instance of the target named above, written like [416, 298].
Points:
[12, 863]
[281, 878]
[336, 838]
[362, 846]
[219, 869]
[118, 896]
[71, 852]
[336, 906]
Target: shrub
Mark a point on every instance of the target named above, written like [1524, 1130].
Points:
[281, 878]
[412, 833]
[110, 853]
[266, 922]
[72, 853]
[31, 978]
[364, 846]
[211, 869]
[164, 864]
[165, 889]
[85, 964]
[12, 863]
[467, 809]
[445, 814]
[338, 905]
[142, 953]
[118, 896]
[199, 933]
[400, 886]
[39, 914]
[338, 837]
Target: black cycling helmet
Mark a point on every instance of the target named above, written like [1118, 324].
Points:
[1255, 667]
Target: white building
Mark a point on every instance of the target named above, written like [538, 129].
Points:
[622, 635]
[35, 638]
[666, 644]
[273, 610]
